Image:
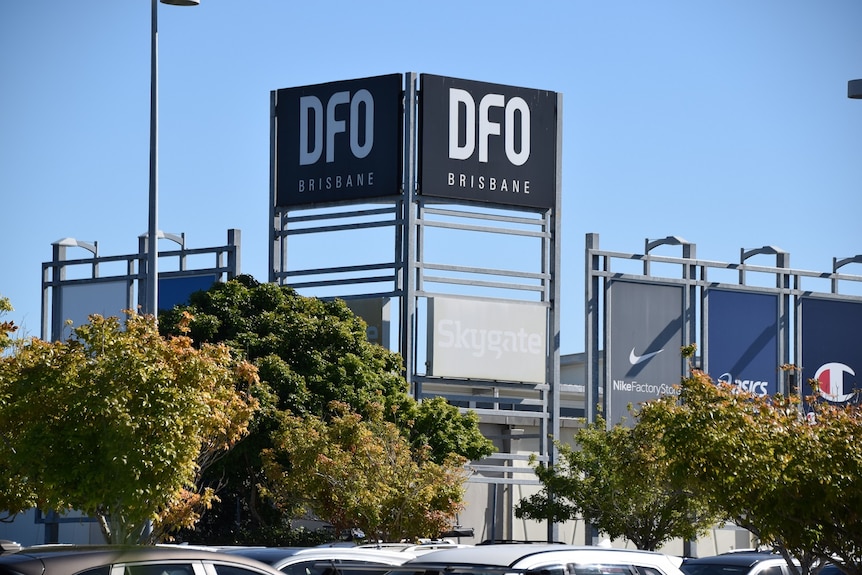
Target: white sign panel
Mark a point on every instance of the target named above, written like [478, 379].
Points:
[79, 301]
[472, 339]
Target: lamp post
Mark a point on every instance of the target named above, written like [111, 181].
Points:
[152, 283]
[854, 89]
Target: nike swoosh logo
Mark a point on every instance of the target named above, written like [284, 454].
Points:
[636, 359]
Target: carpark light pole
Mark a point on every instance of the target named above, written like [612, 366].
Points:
[152, 281]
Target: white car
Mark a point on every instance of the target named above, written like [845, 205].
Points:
[325, 560]
[540, 559]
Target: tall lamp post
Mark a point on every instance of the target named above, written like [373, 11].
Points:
[152, 284]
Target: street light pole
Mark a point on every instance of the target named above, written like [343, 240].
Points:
[152, 277]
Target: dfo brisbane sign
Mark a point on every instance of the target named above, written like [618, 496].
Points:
[487, 142]
[343, 141]
[337, 141]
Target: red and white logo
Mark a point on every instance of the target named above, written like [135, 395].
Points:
[831, 378]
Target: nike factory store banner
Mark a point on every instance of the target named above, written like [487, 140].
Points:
[645, 334]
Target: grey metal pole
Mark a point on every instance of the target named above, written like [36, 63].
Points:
[152, 282]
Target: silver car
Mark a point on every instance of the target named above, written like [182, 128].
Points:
[540, 559]
[326, 560]
[133, 560]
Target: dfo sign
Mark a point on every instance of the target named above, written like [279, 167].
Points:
[487, 142]
[338, 141]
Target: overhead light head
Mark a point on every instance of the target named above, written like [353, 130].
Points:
[854, 89]
[181, 2]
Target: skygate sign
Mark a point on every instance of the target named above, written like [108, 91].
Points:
[477, 339]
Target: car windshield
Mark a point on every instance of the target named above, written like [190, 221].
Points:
[714, 569]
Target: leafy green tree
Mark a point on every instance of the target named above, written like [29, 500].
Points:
[793, 481]
[619, 481]
[357, 472]
[309, 353]
[7, 328]
[117, 422]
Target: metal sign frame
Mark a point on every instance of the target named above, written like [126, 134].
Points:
[698, 276]
[412, 278]
[55, 273]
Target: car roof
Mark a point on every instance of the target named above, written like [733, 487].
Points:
[414, 548]
[279, 557]
[521, 556]
[71, 559]
[741, 559]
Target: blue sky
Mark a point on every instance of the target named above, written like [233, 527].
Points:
[724, 122]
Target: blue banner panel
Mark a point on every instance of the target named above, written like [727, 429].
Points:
[646, 334]
[742, 347]
[831, 352]
[174, 291]
[338, 141]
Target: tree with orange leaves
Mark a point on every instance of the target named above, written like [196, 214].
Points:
[118, 422]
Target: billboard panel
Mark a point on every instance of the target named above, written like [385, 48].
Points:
[830, 348]
[375, 312]
[645, 337]
[338, 141]
[175, 291]
[487, 340]
[79, 301]
[487, 142]
[743, 339]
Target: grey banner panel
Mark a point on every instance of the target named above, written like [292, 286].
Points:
[645, 337]
[487, 142]
[743, 339]
[338, 141]
[375, 312]
[79, 301]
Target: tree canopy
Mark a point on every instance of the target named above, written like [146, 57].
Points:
[7, 327]
[619, 481]
[117, 422]
[311, 355]
[361, 473]
[793, 481]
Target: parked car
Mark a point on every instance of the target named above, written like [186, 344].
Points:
[414, 549]
[540, 559]
[120, 560]
[325, 560]
[738, 563]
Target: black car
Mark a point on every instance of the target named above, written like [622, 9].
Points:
[133, 560]
[739, 563]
